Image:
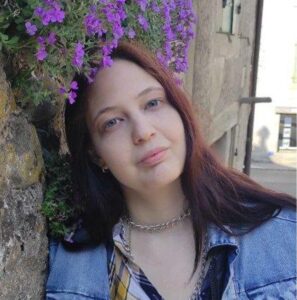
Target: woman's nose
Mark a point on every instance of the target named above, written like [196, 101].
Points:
[142, 131]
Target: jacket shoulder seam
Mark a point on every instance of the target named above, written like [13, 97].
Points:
[267, 284]
[286, 219]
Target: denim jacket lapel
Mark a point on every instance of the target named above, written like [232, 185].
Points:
[219, 238]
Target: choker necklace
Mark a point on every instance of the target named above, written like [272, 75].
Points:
[158, 227]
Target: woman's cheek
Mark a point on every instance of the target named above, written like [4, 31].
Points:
[169, 121]
[113, 149]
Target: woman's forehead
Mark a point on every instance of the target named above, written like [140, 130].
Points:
[122, 79]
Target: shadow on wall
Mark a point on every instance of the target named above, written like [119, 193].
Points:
[260, 151]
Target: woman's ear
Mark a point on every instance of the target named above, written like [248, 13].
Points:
[95, 158]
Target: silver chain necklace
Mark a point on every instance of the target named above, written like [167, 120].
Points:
[158, 227]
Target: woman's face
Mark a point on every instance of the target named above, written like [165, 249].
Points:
[128, 116]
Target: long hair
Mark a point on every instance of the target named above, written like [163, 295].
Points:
[216, 193]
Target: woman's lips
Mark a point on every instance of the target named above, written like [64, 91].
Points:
[155, 158]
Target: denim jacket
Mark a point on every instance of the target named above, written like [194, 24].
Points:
[260, 264]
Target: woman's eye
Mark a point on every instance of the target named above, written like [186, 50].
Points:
[110, 123]
[153, 103]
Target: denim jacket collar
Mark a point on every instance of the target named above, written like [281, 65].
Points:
[218, 237]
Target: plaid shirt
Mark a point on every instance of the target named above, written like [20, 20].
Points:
[127, 281]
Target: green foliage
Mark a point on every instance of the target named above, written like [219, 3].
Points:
[56, 206]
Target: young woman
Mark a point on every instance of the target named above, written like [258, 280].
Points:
[164, 219]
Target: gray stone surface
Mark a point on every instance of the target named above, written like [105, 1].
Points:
[23, 241]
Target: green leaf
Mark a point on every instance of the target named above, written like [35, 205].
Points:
[3, 37]
[20, 20]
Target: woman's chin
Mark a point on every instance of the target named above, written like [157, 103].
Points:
[160, 179]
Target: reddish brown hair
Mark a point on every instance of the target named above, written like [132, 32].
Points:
[216, 193]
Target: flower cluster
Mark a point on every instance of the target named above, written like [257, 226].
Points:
[76, 36]
[51, 12]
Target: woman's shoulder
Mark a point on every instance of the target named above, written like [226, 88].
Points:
[77, 274]
[266, 255]
[281, 226]
[287, 213]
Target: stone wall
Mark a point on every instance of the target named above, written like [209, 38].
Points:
[220, 74]
[23, 241]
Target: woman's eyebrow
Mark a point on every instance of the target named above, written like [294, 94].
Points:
[104, 110]
[149, 89]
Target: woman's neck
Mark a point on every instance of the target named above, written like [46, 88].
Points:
[156, 206]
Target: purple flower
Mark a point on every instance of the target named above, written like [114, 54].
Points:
[172, 4]
[71, 97]
[74, 85]
[92, 9]
[92, 24]
[38, 11]
[181, 65]
[179, 27]
[168, 32]
[106, 50]
[109, 15]
[62, 90]
[90, 79]
[131, 33]
[167, 11]
[107, 61]
[118, 31]
[51, 39]
[59, 15]
[54, 4]
[184, 35]
[41, 53]
[41, 40]
[161, 58]
[45, 18]
[52, 15]
[113, 44]
[78, 57]
[30, 28]
[142, 4]
[168, 50]
[122, 14]
[155, 7]
[143, 22]
[92, 74]
[183, 14]
[190, 32]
